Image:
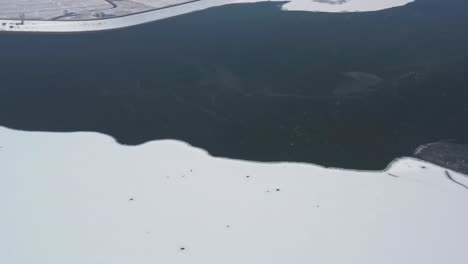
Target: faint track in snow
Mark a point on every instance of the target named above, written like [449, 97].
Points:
[450, 177]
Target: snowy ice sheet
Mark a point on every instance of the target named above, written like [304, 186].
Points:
[82, 198]
[342, 5]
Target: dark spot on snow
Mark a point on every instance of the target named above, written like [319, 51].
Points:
[423, 167]
[393, 175]
[228, 226]
[278, 190]
[247, 176]
[131, 199]
[182, 248]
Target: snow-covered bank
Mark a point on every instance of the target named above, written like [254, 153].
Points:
[140, 18]
[82, 198]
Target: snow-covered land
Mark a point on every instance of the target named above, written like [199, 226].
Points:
[108, 22]
[82, 198]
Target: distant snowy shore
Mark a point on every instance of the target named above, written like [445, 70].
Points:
[83, 198]
[145, 17]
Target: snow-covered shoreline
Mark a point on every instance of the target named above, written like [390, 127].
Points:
[83, 198]
[145, 17]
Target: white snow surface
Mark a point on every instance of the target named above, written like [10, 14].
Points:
[339, 6]
[82, 198]
[140, 18]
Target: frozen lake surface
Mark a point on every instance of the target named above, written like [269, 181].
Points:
[82, 198]
[241, 82]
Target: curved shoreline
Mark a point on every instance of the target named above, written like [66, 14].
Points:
[108, 138]
[129, 20]
[107, 23]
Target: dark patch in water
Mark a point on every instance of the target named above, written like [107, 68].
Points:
[446, 154]
[253, 82]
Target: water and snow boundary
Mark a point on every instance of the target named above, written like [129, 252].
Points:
[82, 198]
[171, 11]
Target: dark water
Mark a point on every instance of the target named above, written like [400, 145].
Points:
[253, 82]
